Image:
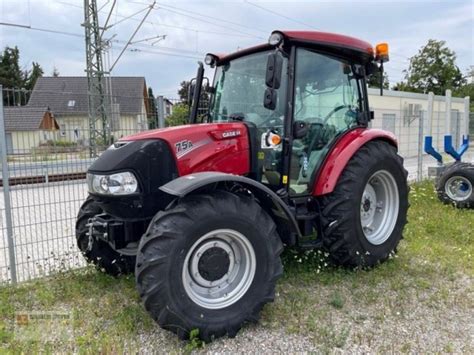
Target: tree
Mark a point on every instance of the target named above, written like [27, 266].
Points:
[153, 112]
[183, 91]
[434, 69]
[55, 72]
[403, 86]
[179, 116]
[33, 75]
[467, 89]
[11, 75]
[14, 78]
[374, 80]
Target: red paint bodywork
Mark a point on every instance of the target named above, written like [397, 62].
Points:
[330, 39]
[216, 149]
[321, 38]
[211, 151]
[342, 152]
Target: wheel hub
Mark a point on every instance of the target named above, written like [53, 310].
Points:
[379, 207]
[458, 188]
[213, 264]
[368, 204]
[219, 268]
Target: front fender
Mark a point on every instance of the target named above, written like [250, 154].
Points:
[342, 152]
[187, 184]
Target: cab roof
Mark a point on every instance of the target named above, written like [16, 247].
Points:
[337, 44]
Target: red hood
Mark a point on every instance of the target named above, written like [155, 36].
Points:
[205, 147]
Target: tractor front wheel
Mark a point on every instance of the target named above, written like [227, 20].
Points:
[364, 217]
[210, 263]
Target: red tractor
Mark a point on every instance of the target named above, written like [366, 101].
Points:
[283, 157]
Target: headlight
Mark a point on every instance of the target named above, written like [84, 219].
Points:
[116, 184]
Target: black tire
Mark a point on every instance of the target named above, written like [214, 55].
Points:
[463, 172]
[170, 237]
[100, 254]
[344, 238]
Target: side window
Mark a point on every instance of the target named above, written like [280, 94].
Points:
[327, 98]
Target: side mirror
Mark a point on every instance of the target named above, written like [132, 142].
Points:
[300, 129]
[274, 69]
[270, 99]
[272, 79]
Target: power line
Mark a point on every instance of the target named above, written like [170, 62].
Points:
[124, 18]
[225, 21]
[41, 29]
[165, 53]
[215, 18]
[31, 28]
[185, 13]
[209, 22]
[150, 7]
[280, 15]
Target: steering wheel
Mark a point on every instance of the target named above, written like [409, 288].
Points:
[333, 111]
[267, 118]
[324, 127]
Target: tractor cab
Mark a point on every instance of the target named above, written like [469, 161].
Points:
[298, 95]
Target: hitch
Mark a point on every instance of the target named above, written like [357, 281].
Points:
[117, 233]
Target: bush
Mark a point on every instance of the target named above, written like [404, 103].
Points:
[179, 116]
[52, 143]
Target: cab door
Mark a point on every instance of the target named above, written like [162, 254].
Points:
[328, 98]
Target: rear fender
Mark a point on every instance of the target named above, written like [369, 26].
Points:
[342, 152]
[268, 199]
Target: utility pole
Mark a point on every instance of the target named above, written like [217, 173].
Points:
[96, 95]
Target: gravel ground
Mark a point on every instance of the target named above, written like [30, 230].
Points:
[417, 327]
[425, 325]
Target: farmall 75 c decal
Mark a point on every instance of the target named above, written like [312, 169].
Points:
[186, 146]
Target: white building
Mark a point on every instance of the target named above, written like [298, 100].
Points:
[406, 115]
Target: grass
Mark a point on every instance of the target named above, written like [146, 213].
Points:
[361, 310]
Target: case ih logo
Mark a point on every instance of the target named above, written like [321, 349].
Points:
[229, 134]
[219, 135]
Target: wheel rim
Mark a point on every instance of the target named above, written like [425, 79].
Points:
[458, 188]
[219, 268]
[379, 207]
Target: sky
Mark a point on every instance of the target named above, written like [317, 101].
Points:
[193, 28]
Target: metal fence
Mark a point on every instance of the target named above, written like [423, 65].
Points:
[44, 154]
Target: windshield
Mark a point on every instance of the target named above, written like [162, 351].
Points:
[239, 89]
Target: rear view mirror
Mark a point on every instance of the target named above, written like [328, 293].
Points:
[274, 69]
[300, 129]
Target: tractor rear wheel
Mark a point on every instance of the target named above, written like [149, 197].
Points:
[363, 218]
[96, 251]
[456, 185]
[209, 263]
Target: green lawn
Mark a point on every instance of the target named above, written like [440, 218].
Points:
[420, 300]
